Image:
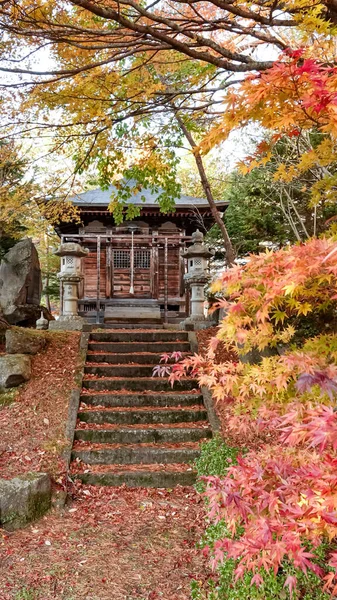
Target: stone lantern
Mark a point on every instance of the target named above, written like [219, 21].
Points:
[70, 275]
[197, 258]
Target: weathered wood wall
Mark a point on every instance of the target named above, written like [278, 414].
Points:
[148, 282]
[173, 272]
[90, 274]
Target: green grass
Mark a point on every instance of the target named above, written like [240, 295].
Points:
[26, 594]
[8, 396]
[215, 459]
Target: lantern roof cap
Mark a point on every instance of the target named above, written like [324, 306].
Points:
[71, 249]
[198, 247]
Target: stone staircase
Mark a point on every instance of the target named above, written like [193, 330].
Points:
[133, 428]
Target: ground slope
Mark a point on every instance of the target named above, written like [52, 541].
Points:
[110, 544]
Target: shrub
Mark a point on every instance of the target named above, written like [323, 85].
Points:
[273, 512]
[216, 458]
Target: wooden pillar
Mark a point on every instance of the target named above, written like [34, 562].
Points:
[182, 291]
[98, 303]
[132, 265]
[108, 282]
[187, 291]
[81, 283]
[165, 281]
[154, 269]
[157, 270]
[187, 302]
[112, 271]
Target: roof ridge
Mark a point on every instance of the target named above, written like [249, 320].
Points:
[99, 197]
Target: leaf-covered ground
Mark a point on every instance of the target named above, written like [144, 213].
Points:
[222, 354]
[33, 425]
[109, 544]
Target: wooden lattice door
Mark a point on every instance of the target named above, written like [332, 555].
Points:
[122, 264]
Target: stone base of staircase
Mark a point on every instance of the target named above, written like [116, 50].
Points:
[144, 476]
[133, 428]
[132, 314]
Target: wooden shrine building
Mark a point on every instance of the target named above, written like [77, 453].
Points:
[138, 263]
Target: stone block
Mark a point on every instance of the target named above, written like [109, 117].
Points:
[195, 323]
[24, 341]
[14, 370]
[128, 314]
[24, 499]
[65, 323]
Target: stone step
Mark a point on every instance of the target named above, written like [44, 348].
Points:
[137, 302]
[155, 479]
[154, 399]
[137, 454]
[123, 325]
[147, 322]
[143, 416]
[138, 383]
[119, 358]
[130, 314]
[157, 335]
[133, 428]
[120, 370]
[136, 347]
[124, 435]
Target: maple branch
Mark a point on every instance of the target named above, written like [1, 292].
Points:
[166, 36]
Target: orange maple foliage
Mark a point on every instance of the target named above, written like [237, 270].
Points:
[279, 502]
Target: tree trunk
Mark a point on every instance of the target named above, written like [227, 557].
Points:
[230, 253]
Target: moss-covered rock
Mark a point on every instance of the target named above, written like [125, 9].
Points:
[24, 499]
[24, 341]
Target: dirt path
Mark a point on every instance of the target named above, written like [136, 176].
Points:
[109, 544]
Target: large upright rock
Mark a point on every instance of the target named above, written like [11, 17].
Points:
[20, 279]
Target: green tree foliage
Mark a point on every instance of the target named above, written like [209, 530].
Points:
[14, 196]
[254, 215]
[264, 209]
[21, 216]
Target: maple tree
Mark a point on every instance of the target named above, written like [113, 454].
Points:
[278, 500]
[300, 92]
[110, 32]
[135, 62]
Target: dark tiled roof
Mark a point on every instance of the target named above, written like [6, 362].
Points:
[100, 197]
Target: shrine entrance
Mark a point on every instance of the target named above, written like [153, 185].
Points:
[131, 272]
[126, 269]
